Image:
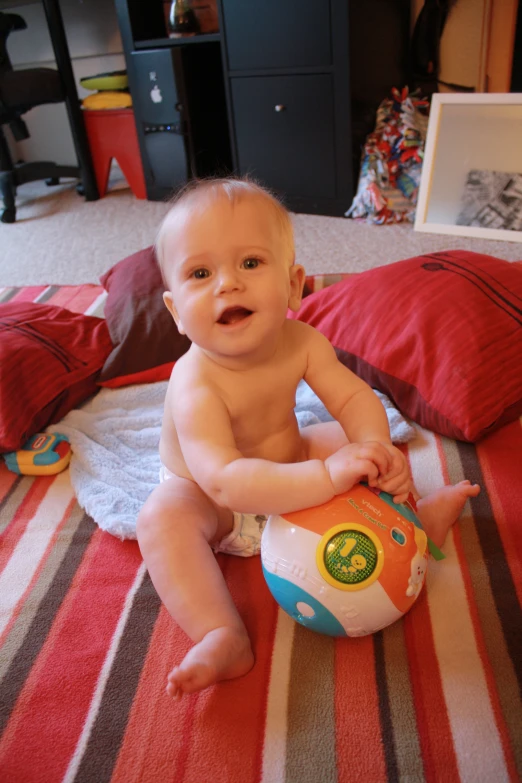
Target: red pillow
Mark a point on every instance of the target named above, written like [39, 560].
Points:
[440, 334]
[145, 338]
[50, 358]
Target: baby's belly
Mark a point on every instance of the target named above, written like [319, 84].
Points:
[282, 445]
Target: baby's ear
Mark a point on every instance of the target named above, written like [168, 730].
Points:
[169, 304]
[297, 281]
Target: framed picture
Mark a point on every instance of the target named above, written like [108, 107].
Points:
[471, 182]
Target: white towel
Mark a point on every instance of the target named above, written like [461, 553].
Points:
[114, 438]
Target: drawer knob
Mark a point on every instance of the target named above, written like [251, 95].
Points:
[279, 107]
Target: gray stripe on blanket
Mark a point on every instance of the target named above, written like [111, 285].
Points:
[115, 436]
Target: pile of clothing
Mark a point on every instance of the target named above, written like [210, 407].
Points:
[391, 162]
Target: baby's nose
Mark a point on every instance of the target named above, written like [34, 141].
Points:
[228, 280]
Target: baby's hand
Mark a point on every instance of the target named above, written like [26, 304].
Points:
[357, 462]
[397, 480]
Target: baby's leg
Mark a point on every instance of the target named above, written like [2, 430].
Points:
[175, 529]
[441, 509]
[437, 512]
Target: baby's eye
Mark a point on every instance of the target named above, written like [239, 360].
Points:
[200, 274]
[251, 263]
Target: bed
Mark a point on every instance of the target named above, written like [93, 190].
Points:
[86, 648]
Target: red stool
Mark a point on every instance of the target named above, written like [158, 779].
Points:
[112, 134]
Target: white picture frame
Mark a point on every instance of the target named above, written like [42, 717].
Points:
[469, 135]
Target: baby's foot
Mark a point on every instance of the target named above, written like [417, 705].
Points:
[223, 654]
[440, 510]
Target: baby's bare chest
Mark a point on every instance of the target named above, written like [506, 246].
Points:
[262, 405]
[263, 396]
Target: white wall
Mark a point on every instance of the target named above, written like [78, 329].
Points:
[95, 47]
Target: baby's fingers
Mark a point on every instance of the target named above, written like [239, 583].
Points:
[401, 498]
[377, 454]
[399, 486]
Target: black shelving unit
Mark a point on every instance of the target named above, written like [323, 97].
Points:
[179, 101]
[298, 81]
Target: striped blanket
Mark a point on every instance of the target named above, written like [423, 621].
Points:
[86, 648]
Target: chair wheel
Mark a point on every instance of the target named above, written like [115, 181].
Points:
[8, 216]
[52, 181]
[80, 189]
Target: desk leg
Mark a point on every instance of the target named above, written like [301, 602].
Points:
[63, 60]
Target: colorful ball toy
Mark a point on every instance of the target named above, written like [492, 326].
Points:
[349, 567]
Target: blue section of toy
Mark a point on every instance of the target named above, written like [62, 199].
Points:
[302, 606]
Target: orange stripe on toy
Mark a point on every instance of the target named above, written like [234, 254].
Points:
[32, 747]
[358, 730]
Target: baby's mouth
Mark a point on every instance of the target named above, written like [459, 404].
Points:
[232, 315]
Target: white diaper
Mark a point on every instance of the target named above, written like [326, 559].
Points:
[245, 537]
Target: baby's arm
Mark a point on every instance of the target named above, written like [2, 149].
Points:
[360, 413]
[245, 484]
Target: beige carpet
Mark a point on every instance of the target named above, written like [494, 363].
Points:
[60, 238]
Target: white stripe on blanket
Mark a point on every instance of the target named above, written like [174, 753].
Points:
[115, 436]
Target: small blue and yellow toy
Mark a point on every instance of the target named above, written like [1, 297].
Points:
[43, 455]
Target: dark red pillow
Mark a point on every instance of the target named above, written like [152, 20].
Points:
[49, 359]
[145, 338]
[440, 334]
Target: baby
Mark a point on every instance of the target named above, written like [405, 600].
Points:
[230, 445]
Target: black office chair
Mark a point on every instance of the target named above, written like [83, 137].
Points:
[20, 91]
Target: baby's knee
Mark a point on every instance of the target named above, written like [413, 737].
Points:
[170, 517]
[152, 517]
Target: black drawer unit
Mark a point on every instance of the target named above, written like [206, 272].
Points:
[179, 99]
[286, 91]
[300, 105]
[277, 33]
[285, 132]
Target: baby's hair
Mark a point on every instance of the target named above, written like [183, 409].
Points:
[235, 189]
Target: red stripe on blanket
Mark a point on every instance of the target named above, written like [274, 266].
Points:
[77, 298]
[489, 672]
[158, 730]
[223, 716]
[17, 609]
[24, 514]
[499, 456]
[359, 747]
[29, 293]
[36, 749]
[438, 753]
[7, 479]
[173, 741]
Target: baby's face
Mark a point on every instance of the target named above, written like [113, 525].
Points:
[230, 276]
